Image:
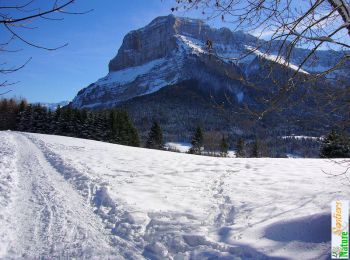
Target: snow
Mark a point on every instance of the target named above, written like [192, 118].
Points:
[54, 106]
[184, 147]
[191, 44]
[98, 104]
[128, 75]
[156, 84]
[8, 182]
[300, 137]
[149, 78]
[228, 52]
[276, 58]
[75, 198]
[225, 52]
[181, 147]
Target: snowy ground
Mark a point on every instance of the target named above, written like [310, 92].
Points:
[67, 197]
[183, 147]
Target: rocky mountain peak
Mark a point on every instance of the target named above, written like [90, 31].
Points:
[154, 41]
[171, 49]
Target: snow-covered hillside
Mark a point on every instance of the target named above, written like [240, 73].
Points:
[67, 197]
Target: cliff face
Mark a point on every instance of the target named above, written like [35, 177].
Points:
[172, 49]
[159, 38]
[150, 43]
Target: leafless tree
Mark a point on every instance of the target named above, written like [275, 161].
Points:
[311, 24]
[291, 24]
[19, 15]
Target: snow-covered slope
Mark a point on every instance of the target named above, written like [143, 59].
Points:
[67, 197]
[172, 49]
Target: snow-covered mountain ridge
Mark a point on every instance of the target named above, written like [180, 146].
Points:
[63, 197]
[172, 49]
[53, 106]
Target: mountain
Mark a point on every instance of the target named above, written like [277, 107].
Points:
[172, 49]
[170, 55]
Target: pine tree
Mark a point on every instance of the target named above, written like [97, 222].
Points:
[109, 126]
[86, 127]
[78, 123]
[134, 139]
[335, 145]
[113, 127]
[121, 129]
[39, 119]
[26, 120]
[155, 137]
[255, 153]
[197, 141]
[224, 147]
[240, 148]
[22, 105]
[127, 132]
[100, 127]
[55, 127]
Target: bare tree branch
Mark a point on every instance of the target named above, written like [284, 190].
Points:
[18, 16]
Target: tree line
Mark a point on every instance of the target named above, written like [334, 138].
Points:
[155, 141]
[115, 126]
[112, 126]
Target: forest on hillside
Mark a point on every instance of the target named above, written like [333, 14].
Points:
[115, 126]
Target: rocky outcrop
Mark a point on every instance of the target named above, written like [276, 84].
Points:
[173, 49]
[150, 43]
[159, 39]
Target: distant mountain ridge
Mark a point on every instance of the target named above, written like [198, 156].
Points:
[54, 106]
[173, 49]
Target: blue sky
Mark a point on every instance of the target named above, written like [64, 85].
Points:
[93, 38]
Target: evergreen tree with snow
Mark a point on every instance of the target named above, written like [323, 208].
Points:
[240, 148]
[155, 137]
[335, 145]
[224, 147]
[197, 141]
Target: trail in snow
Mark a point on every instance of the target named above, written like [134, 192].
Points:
[48, 217]
[68, 197]
[154, 235]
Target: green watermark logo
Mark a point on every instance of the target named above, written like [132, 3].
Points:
[340, 229]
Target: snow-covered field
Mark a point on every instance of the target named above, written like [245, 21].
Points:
[68, 197]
